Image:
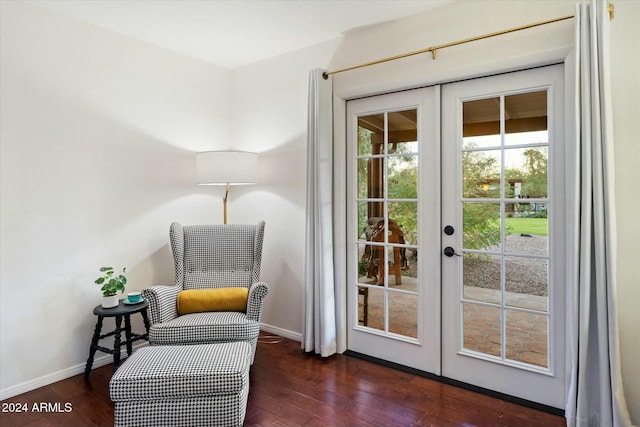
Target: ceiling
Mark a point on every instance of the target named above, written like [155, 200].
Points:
[232, 33]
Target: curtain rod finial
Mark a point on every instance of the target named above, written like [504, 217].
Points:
[325, 75]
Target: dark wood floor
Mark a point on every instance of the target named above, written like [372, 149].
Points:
[290, 388]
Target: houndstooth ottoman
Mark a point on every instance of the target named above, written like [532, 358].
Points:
[189, 385]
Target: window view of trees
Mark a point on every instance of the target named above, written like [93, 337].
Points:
[534, 175]
[525, 177]
[481, 179]
[401, 182]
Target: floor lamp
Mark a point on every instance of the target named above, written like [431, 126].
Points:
[226, 168]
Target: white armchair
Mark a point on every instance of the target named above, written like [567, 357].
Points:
[210, 256]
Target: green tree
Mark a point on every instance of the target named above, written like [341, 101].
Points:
[480, 174]
[402, 184]
[481, 220]
[535, 182]
[480, 225]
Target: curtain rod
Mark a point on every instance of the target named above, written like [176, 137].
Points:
[434, 49]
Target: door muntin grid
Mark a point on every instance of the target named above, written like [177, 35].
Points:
[386, 202]
[505, 204]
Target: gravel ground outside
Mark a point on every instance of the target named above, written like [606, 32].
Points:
[523, 275]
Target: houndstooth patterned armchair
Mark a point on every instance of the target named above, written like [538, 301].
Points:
[210, 256]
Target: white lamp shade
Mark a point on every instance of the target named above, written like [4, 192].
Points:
[226, 167]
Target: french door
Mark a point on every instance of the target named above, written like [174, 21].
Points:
[455, 240]
[393, 156]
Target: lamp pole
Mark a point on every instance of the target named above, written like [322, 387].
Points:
[224, 202]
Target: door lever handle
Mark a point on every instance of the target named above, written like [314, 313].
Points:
[449, 251]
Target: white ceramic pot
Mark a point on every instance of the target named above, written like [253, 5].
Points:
[110, 301]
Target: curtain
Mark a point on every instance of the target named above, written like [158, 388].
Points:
[595, 395]
[319, 333]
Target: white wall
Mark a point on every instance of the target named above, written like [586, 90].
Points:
[270, 117]
[457, 21]
[97, 139]
[625, 59]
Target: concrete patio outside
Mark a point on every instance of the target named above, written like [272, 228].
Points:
[526, 332]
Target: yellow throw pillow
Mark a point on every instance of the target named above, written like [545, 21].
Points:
[220, 299]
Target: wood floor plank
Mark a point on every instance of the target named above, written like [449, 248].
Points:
[450, 396]
[291, 388]
[279, 405]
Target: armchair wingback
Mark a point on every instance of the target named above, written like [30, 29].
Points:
[210, 256]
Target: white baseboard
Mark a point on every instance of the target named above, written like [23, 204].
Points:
[63, 374]
[296, 336]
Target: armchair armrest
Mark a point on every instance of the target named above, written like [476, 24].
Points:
[257, 292]
[162, 302]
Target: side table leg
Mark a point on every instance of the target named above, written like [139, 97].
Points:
[116, 344]
[127, 331]
[93, 348]
[145, 318]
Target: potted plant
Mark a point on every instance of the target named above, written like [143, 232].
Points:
[111, 285]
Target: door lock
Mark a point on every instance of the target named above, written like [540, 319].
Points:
[449, 230]
[449, 251]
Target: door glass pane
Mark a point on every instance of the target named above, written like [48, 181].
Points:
[367, 264]
[526, 283]
[370, 178]
[526, 173]
[361, 229]
[527, 236]
[482, 328]
[403, 222]
[372, 263]
[481, 174]
[403, 314]
[364, 167]
[481, 123]
[370, 134]
[482, 278]
[395, 260]
[402, 267]
[375, 307]
[363, 305]
[525, 112]
[504, 158]
[368, 219]
[481, 226]
[403, 131]
[402, 176]
[527, 338]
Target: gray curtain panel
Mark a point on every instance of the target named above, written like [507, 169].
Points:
[319, 333]
[595, 395]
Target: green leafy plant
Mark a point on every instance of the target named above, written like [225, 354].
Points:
[110, 284]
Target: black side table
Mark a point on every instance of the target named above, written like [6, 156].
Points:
[122, 310]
